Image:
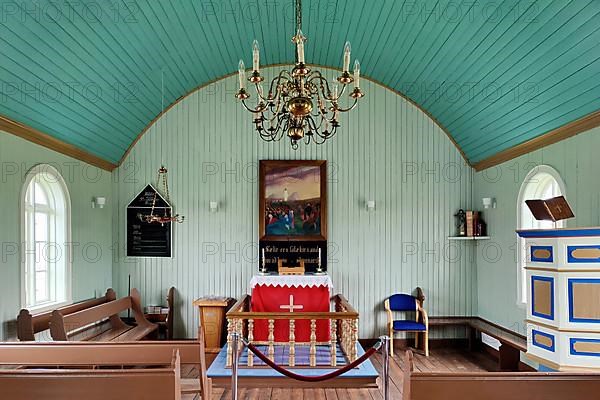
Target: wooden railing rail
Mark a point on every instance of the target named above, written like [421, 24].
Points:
[343, 324]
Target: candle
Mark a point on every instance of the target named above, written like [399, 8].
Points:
[346, 57]
[334, 95]
[242, 74]
[356, 74]
[319, 256]
[255, 56]
[300, 45]
[263, 255]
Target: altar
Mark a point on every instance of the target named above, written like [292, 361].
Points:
[289, 294]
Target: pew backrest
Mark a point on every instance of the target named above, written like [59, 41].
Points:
[62, 327]
[107, 354]
[162, 383]
[28, 325]
[496, 385]
[171, 305]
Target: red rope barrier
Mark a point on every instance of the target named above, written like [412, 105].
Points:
[319, 378]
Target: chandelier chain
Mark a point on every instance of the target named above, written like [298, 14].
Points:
[298, 15]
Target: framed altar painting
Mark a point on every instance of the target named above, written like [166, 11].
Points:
[293, 200]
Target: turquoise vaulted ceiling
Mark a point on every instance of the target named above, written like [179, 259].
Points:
[493, 74]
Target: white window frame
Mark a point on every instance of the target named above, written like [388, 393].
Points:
[66, 248]
[530, 178]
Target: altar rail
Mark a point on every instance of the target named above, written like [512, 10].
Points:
[343, 324]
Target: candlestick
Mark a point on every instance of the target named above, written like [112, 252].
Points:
[356, 74]
[242, 74]
[346, 57]
[262, 269]
[255, 56]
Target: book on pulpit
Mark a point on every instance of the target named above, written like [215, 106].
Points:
[554, 209]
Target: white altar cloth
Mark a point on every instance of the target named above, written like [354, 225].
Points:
[292, 281]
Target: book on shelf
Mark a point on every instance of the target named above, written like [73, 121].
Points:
[470, 217]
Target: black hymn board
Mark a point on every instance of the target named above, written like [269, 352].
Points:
[148, 239]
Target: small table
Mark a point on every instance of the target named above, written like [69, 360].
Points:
[212, 320]
[291, 293]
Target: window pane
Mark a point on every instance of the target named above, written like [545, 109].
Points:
[41, 227]
[40, 194]
[41, 287]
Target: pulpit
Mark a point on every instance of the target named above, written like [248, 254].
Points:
[289, 294]
[563, 296]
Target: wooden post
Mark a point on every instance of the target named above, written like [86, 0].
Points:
[230, 330]
[239, 328]
[250, 339]
[313, 343]
[292, 356]
[271, 339]
[333, 343]
[354, 339]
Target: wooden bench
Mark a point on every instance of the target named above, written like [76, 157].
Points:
[496, 385]
[83, 324]
[28, 357]
[162, 383]
[511, 343]
[29, 325]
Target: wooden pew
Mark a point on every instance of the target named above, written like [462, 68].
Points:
[162, 383]
[81, 325]
[29, 325]
[496, 385]
[511, 343]
[26, 356]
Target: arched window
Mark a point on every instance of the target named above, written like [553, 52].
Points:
[46, 233]
[542, 182]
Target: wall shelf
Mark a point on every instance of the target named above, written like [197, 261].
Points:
[469, 238]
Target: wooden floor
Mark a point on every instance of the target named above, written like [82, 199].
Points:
[439, 360]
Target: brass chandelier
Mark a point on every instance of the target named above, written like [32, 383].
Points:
[300, 103]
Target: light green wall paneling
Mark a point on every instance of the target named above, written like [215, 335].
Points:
[387, 150]
[91, 228]
[577, 161]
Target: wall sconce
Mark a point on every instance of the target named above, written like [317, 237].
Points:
[98, 202]
[213, 206]
[370, 205]
[488, 202]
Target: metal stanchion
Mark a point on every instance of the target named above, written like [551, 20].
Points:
[386, 366]
[235, 340]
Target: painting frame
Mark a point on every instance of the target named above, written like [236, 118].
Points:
[264, 167]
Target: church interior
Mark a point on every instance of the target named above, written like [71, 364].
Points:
[303, 199]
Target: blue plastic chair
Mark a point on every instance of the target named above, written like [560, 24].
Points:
[407, 303]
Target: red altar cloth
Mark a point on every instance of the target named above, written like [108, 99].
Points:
[272, 297]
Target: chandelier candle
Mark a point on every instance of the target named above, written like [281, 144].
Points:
[242, 75]
[300, 104]
[300, 44]
[346, 57]
[356, 74]
[255, 56]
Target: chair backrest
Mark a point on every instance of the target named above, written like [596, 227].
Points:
[402, 302]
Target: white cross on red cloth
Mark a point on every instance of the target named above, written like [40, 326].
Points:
[291, 307]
